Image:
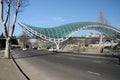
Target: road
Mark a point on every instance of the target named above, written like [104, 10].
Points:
[44, 65]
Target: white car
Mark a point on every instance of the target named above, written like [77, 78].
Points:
[51, 49]
[24, 49]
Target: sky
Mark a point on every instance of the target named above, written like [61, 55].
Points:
[53, 13]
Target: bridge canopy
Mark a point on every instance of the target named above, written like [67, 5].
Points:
[60, 33]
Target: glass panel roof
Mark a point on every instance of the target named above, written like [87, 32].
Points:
[65, 30]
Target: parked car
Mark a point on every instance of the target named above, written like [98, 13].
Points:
[24, 49]
[52, 49]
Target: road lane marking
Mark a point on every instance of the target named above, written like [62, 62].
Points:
[67, 57]
[97, 61]
[73, 58]
[94, 73]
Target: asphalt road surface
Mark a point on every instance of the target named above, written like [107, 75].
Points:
[44, 65]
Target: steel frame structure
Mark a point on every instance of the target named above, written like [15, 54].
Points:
[62, 33]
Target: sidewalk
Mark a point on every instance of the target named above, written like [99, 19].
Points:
[8, 70]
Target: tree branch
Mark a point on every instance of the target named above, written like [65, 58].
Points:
[8, 12]
[14, 18]
[1, 11]
[2, 20]
[5, 30]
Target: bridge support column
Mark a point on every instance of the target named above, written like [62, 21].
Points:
[100, 43]
[57, 45]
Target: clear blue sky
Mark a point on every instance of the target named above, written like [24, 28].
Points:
[52, 13]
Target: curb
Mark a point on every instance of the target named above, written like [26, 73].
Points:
[24, 76]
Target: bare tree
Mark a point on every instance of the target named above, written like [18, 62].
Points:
[103, 20]
[24, 40]
[6, 8]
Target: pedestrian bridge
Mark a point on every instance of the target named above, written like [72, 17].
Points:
[61, 33]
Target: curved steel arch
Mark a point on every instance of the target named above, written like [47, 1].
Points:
[61, 33]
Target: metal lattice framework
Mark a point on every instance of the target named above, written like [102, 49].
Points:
[62, 33]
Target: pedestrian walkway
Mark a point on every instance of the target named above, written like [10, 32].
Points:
[8, 70]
